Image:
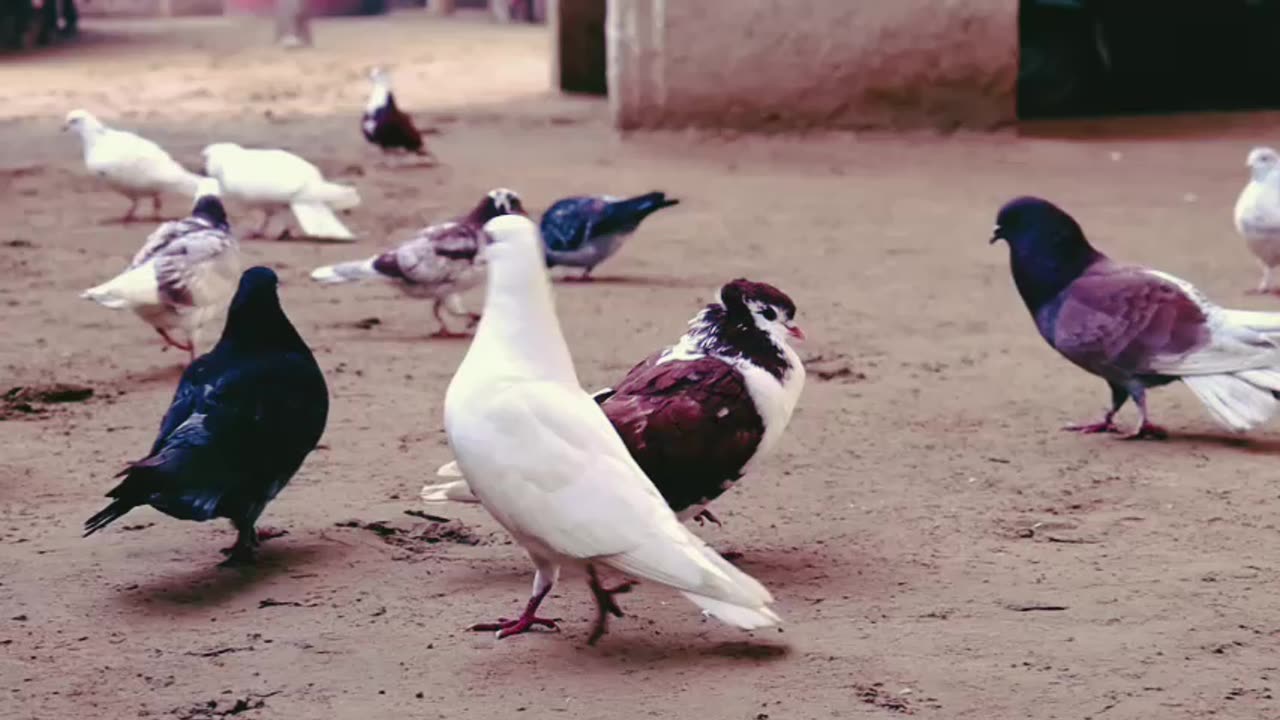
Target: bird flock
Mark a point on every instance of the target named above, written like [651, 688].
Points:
[602, 481]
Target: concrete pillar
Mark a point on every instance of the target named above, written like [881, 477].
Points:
[774, 64]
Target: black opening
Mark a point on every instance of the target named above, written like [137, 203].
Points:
[1101, 57]
[582, 46]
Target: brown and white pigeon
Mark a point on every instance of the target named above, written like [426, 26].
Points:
[182, 279]
[384, 124]
[696, 415]
[1138, 328]
[439, 262]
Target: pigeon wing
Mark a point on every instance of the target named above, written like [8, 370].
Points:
[567, 224]
[442, 253]
[1139, 321]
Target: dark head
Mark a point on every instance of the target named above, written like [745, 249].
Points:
[497, 202]
[1047, 248]
[208, 204]
[753, 321]
[255, 319]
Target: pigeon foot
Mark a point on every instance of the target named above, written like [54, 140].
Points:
[707, 517]
[522, 624]
[605, 604]
[1148, 431]
[445, 333]
[270, 533]
[1106, 426]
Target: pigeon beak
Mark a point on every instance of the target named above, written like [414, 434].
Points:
[794, 331]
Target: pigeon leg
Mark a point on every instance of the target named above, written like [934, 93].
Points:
[542, 582]
[155, 207]
[128, 215]
[169, 341]
[246, 546]
[266, 222]
[605, 604]
[707, 516]
[1264, 286]
[1147, 430]
[1118, 397]
[454, 305]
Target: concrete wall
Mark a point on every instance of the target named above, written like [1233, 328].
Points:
[788, 64]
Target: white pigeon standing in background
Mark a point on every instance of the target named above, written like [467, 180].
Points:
[1257, 212]
[274, 180]
[545, 462]
[132, 165]
[183, 277]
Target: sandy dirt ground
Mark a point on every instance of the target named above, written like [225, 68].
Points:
[938, 548]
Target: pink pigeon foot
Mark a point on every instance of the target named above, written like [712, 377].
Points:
[1105, 426]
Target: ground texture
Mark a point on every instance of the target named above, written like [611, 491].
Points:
[937, 546]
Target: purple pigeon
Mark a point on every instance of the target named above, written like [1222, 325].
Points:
[1138, 328]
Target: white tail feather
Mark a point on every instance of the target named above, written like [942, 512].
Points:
[736, 615]
[456, 491]
[1267, 323]
[317, 220]
[449, 469]
[338, 197]
[1241, 401]
[132, 288]
[345, 272]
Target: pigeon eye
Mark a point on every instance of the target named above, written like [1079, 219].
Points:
[769, 314]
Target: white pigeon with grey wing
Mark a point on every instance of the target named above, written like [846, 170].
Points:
[544, 460]
[275, 180]
[130, 164]
[439, 262]
[1257, 213]
[182, 279]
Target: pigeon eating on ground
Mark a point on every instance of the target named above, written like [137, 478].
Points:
[585, 231]
[386, 125]
[439, 262]
[1257, 213]
[274, 180]
[545, 462]
[1138, 328]
[244, 417]
[133, 166]
[183, 277]
[697, 414]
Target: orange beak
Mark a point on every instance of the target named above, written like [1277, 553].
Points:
[795, 332]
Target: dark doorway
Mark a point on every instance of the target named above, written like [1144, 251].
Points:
[580, 47]
[1104, 57]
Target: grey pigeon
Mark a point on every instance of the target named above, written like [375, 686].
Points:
[439, 262]
[244, 417]
[584, 231]
[1138, 328]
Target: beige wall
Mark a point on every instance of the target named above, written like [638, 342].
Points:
[764, 64]
[148, 8]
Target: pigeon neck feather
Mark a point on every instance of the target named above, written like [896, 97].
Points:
[519, 334]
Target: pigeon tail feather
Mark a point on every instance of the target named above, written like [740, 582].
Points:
[456, 491]
[1240, 401]
[132, 288]
[346, 272]
[736, 615]
[336, 196]
[107, 515]
[317, 220]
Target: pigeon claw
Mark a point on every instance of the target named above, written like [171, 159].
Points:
[1106, 426]
[1148, 431]
[605, 604]
[707, 517]
[524, 623]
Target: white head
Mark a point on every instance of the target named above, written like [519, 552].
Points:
[216, 155]
[82, 121]
[1262, 160]
[506, 201]
[514, 254]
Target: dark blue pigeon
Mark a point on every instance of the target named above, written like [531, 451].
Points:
[244, 417]
[584, 231]
[1138, 328]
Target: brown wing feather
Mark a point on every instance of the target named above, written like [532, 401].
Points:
[690, 424]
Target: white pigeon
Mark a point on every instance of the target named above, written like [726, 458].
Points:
[273, 180]
[133, 166]
[544, 461]
[183, 277]
[1257, 212]
[439, 262]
